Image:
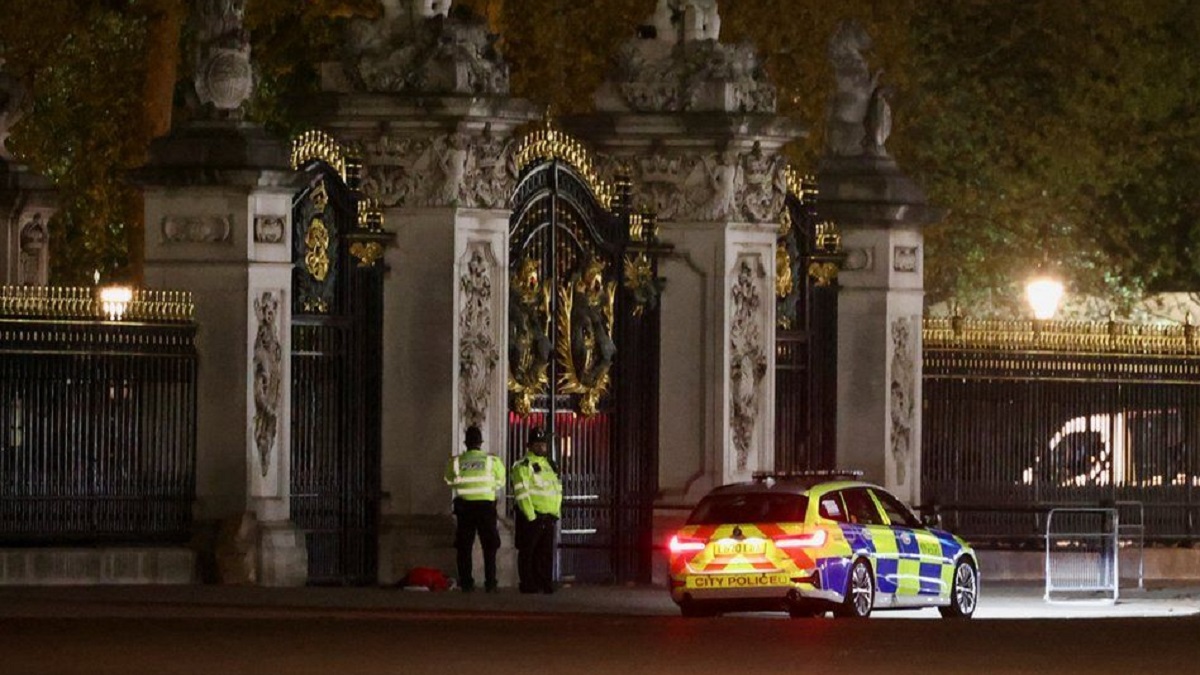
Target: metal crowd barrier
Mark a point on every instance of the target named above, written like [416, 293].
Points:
[1083, 553]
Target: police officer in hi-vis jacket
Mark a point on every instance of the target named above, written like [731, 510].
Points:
[476, 478]
[538, 493]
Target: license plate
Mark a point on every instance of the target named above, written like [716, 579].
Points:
[698, 581]
[747, 547]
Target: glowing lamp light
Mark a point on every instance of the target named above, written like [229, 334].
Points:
[114, 300]
[1044, 292]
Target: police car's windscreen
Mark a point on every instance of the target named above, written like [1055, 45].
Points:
[749, 508]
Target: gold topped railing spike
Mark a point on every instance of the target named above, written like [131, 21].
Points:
[548, 143]
[61, 302]
[318, 145]
[1097, 337]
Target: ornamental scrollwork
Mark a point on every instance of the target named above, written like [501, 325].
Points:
[644, 286]
[316, 249]
[747, 358]
[903, 394]
[477, 352]
[585, 327]
[268, 376]
[528, 335]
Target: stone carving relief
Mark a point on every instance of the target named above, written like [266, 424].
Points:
[477, 350]
[197, 229]
[224, 77]
[269, 229]
[678, 64]
[268, 376]
[451, 170]
[727, 186]
[747, 355]
[420, 46]
[860, 117]
[33, 256]
[904, 259]
[903, 393]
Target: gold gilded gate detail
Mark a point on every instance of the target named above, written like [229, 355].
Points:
[585, 326]
[528, 340]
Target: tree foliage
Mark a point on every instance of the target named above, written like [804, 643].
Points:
[1056, 131]
[83, 63]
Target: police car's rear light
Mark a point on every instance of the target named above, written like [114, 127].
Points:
[685, 545]
[810, 540]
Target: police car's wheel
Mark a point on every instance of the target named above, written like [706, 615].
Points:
[964, 592]
[860, 592]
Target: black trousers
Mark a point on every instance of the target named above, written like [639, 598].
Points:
[535, 553]
[476, 518]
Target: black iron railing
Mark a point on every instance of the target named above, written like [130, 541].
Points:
[97, 418]
[1021, 417]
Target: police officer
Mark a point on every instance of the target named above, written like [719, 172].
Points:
[476, 477]
[538, 493]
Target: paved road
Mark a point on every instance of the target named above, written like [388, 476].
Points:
[206, 630]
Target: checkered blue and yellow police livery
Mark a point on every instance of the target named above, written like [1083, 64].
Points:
[807, 546]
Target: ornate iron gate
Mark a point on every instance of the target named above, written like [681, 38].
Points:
[337, 292]
[807, 259]
[583, 315]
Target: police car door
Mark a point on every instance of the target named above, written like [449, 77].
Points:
[869, 534]
[919, 554]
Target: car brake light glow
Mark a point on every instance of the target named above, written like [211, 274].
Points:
[810, 540]
[678, 545]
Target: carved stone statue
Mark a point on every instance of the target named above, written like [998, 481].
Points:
[878, 122]
[224, 78]
[421, 46]
[855, 87]
[677, 63]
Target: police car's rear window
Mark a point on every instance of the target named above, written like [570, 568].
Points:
[749, 508]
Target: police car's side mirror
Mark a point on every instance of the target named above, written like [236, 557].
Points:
[932, 519]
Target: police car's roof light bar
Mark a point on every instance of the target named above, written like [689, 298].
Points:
[830, 474]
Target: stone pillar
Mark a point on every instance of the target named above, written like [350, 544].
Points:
[718, 195]
[439, 165]
[692, 122]
[218, 205]
[880, 304]
[224, 234]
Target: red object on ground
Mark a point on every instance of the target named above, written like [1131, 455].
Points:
[428, 577]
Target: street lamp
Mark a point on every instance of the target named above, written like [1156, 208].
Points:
[1044, 291]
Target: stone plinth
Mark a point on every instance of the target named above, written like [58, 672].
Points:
[218, 224]
[880, 212]
[92, 566]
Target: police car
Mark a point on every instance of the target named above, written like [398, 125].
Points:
[807, 544]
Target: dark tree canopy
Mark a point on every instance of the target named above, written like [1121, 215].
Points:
[1052, 130]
